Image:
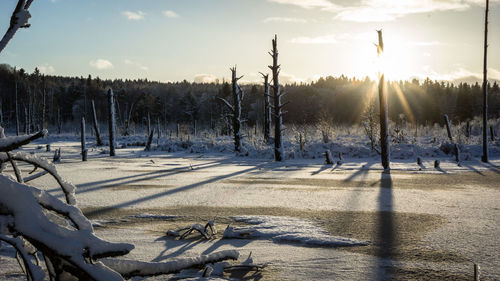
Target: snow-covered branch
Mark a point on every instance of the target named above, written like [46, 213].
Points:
[131, 268]
[34, 272]
[67, 187]
[11, 143]
[19, 19]
[74, 246]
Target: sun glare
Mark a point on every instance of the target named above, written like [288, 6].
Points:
[397, 61]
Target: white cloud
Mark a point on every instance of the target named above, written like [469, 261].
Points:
[308, 4]
[205, 78]
[101, 64]
[170, 14]
[139, 15]
[461, 74]
[327, 39]
[388, 10]
[284, 19]
[46, 68]
[136, 64]
[382, 10]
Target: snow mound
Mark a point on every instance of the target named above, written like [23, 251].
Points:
[287, 229]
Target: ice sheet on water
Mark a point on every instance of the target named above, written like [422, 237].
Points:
[287, 229]
[156, 216]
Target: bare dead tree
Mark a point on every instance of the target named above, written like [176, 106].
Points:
[96, 126]
[448, 128]
[484, 158]
[111, 122]
[150, 140]
[278, 106]
[43, 108]
[26, 121]
[267, 108]
[16, 109]
[384, 114]
[83, 140]
[235, 109]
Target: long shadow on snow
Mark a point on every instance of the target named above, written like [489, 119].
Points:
[88, 187]
[386, 227]
[133, 178]
[166, 193]
[361, 172]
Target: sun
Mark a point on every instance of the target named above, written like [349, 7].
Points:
[397, 62]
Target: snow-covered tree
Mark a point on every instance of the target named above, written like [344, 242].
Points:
[267, 108]
[235, 109]
[278, 106]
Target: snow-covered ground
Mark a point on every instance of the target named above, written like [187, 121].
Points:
[416, 222]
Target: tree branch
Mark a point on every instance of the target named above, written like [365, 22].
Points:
[19, 19]
[11, 143]
[227, 103]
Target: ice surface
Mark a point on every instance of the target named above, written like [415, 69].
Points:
[286, 230]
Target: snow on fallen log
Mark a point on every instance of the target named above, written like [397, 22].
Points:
[131, 268]
[11, 143]
[218, 269]
[67, 187]
[21, 202]
[286, 229]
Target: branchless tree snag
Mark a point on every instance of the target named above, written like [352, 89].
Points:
[235, 109]
[83, 140]
[484, 158]
[111, 122]
[96, 126]
[267, 109]
[384, 114]
[278, 106]
[16, 106]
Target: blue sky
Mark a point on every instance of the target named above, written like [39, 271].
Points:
[198, 40]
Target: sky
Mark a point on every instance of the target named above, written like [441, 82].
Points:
[199, 40]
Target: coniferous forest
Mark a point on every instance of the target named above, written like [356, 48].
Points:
[51, 101]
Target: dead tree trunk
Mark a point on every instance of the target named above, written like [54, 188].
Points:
[384, 114]
[96, 126]
[150, 140]
[267, 109]
[83, 140]
[235, 109]
[111, 122]
[448, 128]
[485, 87]
[149, 124]
[43, 108]
[26, 121]
[467, 130]
[59, 121]
[278, 106]
[16, 109]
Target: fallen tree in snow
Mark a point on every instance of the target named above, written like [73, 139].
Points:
[32, 220]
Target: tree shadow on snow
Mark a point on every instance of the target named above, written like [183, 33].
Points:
[386, 227]
[105, 210]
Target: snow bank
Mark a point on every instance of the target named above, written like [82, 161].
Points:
[287, 229]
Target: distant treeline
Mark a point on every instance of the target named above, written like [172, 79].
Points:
[46, 101]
